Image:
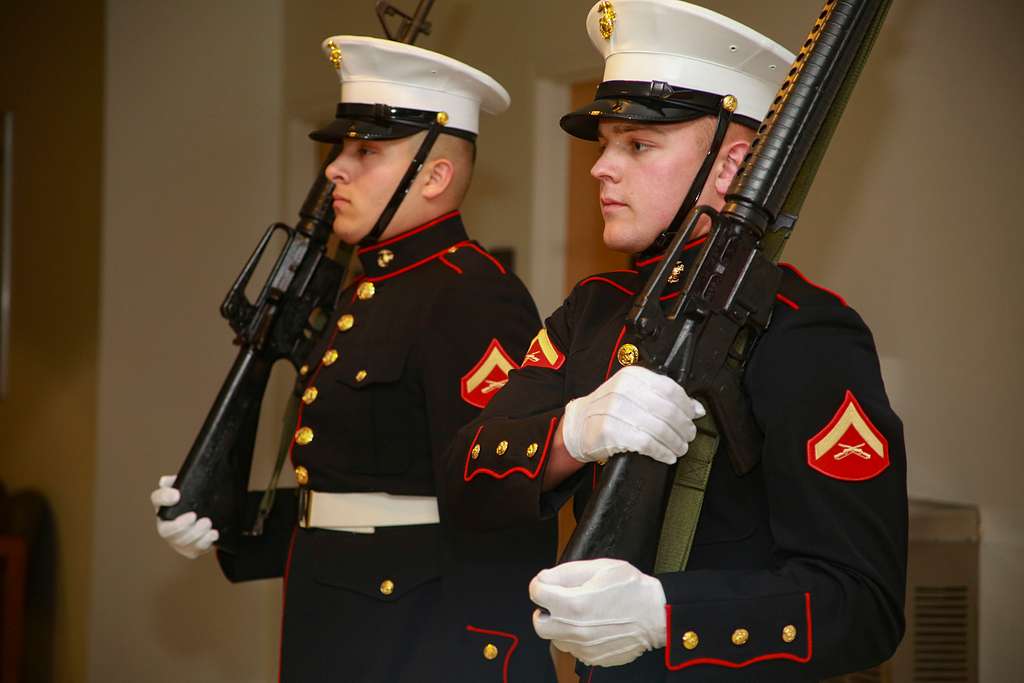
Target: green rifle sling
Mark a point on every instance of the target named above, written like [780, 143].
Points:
[686, 499]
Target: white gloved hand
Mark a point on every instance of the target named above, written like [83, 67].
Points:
[188, 536]
[603, 612]
[634, 410]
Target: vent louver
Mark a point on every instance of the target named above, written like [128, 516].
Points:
[941, 616]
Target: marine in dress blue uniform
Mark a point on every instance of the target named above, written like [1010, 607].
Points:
[797, 571]
[378, 586]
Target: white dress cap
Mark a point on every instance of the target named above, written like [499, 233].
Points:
[377, 71]
[688, 46]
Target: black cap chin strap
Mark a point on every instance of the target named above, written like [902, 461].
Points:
[726, 107]
[404, 184]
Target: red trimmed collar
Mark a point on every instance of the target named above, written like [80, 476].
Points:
[412, 246]
[646, 266]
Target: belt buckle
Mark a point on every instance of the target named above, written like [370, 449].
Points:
[305, 506]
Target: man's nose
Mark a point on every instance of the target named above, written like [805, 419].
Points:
[604, 168]
[337, 171]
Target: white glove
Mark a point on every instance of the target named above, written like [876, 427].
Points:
[603, 612]
[634, 410]
[188, 536]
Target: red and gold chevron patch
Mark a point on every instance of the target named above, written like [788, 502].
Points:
[543, 353]
[850, 447]
[490, 374]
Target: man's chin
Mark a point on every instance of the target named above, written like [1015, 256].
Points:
[348, 233]
[623, 236]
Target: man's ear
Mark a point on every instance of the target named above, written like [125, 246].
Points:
[730, 159]
[439, 175]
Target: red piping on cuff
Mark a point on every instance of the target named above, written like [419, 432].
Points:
[508, 655]
[736, 665]
[466, 476]
[409, 233]
[791, 267]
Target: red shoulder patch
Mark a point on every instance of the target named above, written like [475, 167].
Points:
[850, 447]
[479, 385]
[543, 353]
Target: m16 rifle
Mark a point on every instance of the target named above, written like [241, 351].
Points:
[702, 339]
[280, 324]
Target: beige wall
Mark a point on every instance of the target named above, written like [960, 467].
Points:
[192, 157]
[48, 421]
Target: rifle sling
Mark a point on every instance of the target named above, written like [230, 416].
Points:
[291, 416]
[683, 510]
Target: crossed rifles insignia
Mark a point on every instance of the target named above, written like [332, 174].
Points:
[543, 353]
[850, 447]
[490, 374]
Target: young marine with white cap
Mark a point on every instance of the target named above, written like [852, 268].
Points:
[797, 568]
[378, 587]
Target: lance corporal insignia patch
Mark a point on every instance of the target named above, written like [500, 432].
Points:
[490, 374]
[542, 353]
[850, 447]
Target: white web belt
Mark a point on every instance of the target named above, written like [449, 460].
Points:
[363, 512]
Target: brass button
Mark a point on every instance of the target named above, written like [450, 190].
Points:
[387, 586]
[677, 270]
[304, 370]
[628, 354]
[740, 636]
[330, 356]
[476, 451]
[788, 633]
[531, 450]
[602, 462]
[490, 651]
[346, 322]
[452, 250]
[309, 395]
[303, 436]
[502, 447]
[301, 475]
[385, 257]
[365, 291]
[361, 375]
[690, 640]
